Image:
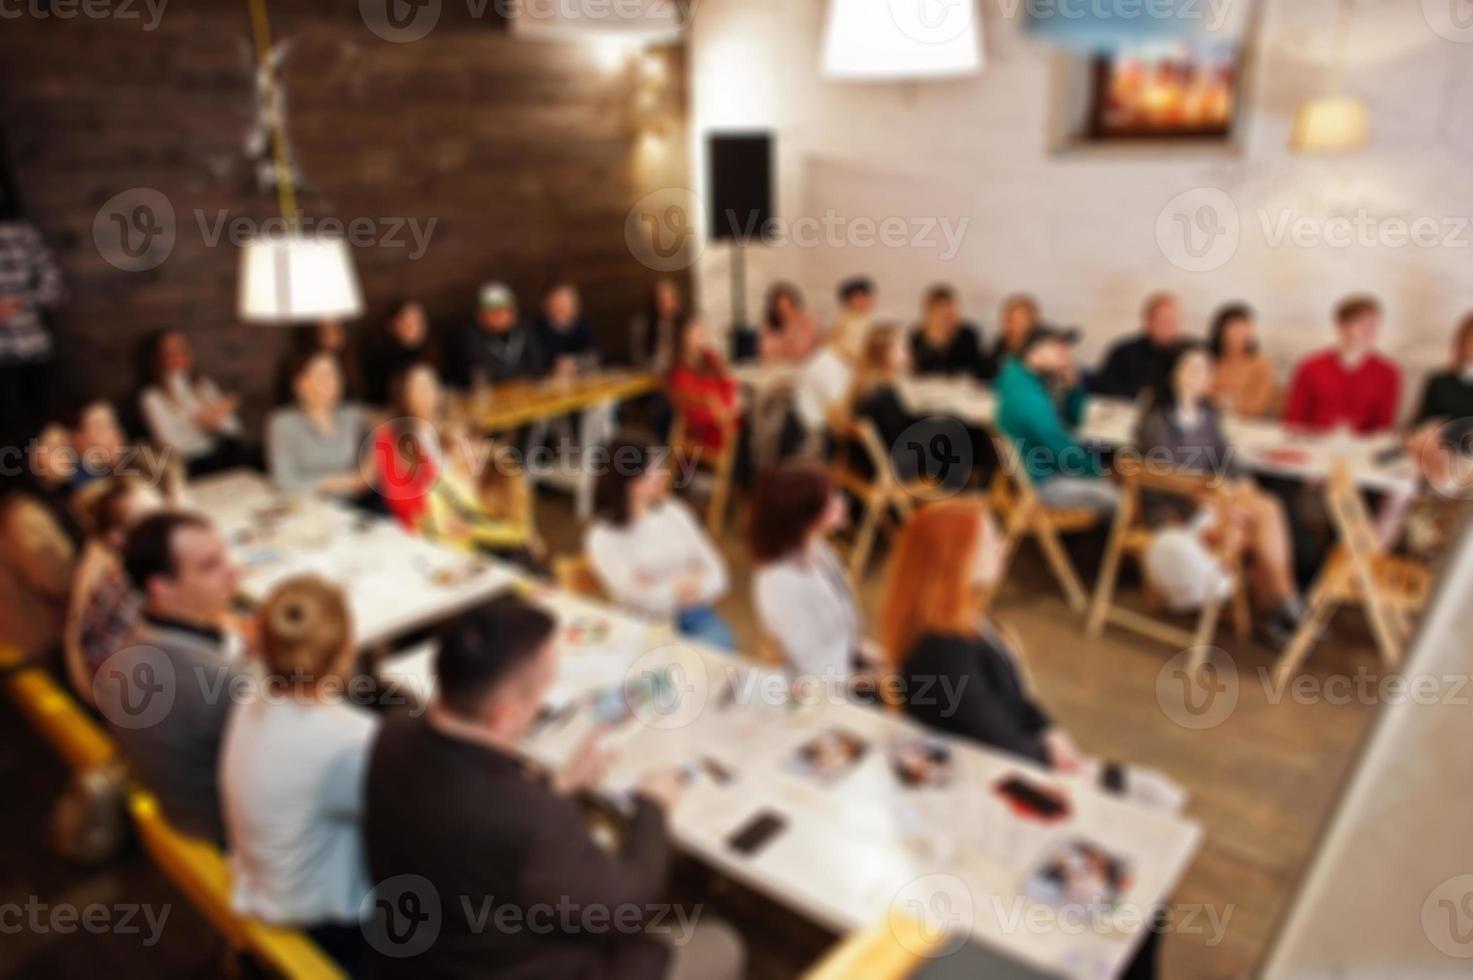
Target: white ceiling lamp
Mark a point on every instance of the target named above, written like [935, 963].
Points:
[291, 277]
[902, 40]
[1333, 123]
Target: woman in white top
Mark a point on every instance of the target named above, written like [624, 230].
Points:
[805, 600]
[187, 413]
[650, 553]
[292, 771]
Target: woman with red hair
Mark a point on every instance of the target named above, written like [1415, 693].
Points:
[954, 671]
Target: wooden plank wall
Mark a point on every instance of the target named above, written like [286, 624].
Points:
[527, 154]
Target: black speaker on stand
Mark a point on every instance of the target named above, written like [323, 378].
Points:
[740, 181]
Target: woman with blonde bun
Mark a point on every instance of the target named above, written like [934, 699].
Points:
[292, 773]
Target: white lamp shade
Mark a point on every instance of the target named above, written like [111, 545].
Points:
[889, 40]
[1330, 125]
[291, 279]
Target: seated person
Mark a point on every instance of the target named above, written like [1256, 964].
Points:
[452, 803]
[1447, 397]
[652, 333]
[1137, 364]
[329, 336]
[1244, 376]
[313, 445]
[1182, 429]
[97, 439]
[104, 609]
[407, 451]
[955, 672]
[650, 553]
[856, 314]
[877, 400]
[180, 564]
[944, 343]
[39, 542]
[292, 770]
[482, 502]
[186, 412]
[823, 387]
[1018, 317]
[498, 346]
[1348, 386]
[406, 339]
[1040, 405]
[567, 340]
[789, 331]
[700, 386]
[804, 599]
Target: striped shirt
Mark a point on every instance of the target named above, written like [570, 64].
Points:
[27, 274]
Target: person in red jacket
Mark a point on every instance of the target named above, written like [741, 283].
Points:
[406, 450]
[1350, 385]
[700, 386]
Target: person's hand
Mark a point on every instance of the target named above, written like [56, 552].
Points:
[688, 589]
[664, 787]
[341, 485]
[589, 763]
[566, 366]
[10, 306]
[1064, 756]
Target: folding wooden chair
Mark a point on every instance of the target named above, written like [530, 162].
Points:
[1128, 536]
[1017, 503]
[1391, 588]
[883, 499]
[721, 464]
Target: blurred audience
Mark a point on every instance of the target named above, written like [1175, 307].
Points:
[1016, 320]
[789, 332]
[498, 346]
[856, 314]
[406, 339]
[30, 286]
[567, 339]
[652, 333]
[701, 388]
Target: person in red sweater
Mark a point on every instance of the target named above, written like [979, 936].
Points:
[406, 450]
[1350, 385]
[700, 386]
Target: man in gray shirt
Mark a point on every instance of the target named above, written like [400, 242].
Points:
[167, 694]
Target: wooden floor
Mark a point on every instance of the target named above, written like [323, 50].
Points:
[1260, 784]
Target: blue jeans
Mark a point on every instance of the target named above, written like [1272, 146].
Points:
[704, 624]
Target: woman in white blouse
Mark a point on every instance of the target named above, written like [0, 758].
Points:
[805, 600]
[187, 413]
[292, 774]
[649, 552]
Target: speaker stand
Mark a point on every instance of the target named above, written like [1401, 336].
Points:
[738, 285]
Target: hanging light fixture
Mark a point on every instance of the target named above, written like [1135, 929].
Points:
[1333, 123]
[291, 277]
[876, 40]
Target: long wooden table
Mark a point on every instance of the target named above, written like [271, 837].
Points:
[513, 404]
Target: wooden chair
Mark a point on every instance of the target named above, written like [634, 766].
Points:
[721, 464]
[54, 713]
[1023, 513]
[1391, 588]
[883, 500]
[199, 870]
[894, 949]
[1128, 536]
[574, 573]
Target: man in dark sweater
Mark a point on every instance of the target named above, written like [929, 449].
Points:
[497, 346]
[482, 867]
[1139, 363]
[564, 333]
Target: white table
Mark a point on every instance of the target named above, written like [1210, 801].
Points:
[395, 582]
[1262, 445]
[857, 848]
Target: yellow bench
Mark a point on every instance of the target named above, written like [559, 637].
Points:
[55, 714]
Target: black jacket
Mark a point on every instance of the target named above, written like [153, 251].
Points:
[1132, 366]
[963, 356]
[491, 843]
[515, 354]
[969, 686]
